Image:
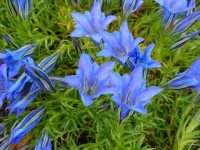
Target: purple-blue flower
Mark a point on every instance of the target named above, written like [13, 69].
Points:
[23, 7]
[119, 44]
[183, 24]
[3, 83]
[122, 46]
[180, 42]
[131, 93]
[189, 79]
[13, 59]
[138, 58]
[27, 87]
[130, 6]
[44, 142]
[173, 8]
[91, 80]
[177, 6]
[91, 24]
[26, 125]
[38, 75]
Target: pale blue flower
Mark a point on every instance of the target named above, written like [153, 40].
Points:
[173, 8]
[131, 93]
[122, 46]
[91, 24]
[177, 6]
[91, 80]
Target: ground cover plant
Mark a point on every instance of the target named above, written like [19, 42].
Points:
[99, 74]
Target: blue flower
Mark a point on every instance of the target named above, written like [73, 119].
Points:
[130, 6]
[173, 8]
[180, 42]
[23, 7]
[122, 46]
[177, 6]
[38, 75]
[44, 142]
[131, 93]
[91, 80]
[179, 17]
[183, 24]
[28, 87]
[3, 83]
[189, 79]
[119, 44]
[91, 24]
[26, 125]
[143, 59]
[13, 59]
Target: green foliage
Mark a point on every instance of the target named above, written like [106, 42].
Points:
[173, 117]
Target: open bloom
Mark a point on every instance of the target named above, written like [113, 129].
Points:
[131, 93]
[44, 142]
[26, 125]
[13, 59]
[122, 46]
[189, 79]
[130, 6]
[138, 58]
[91, 24]
[172, 9]
[91, 80]
[177, 6]
[23, 7]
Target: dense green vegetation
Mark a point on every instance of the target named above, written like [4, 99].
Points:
[173, 118]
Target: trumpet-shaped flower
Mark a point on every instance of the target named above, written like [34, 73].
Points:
[172, 9]
[122, 46]
[26, 125]
[119, 44]
[131, 93]
[44, 142]
[91, 80]
[130, 6]
[177, 6]
[143, 59]
[91, 24]
[13, 59]
[189, 79]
